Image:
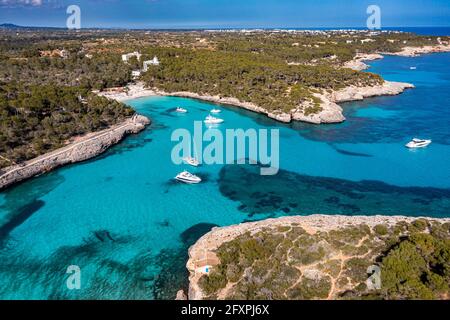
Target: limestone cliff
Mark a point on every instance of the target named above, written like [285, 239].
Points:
[84, 148]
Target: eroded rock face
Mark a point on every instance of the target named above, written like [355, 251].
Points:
[353, 93]
[181, 295]
[85, 148]
[330, 112]
[282, 117]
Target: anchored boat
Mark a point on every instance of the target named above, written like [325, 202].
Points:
[213, 120]
[191, 161]
[180, 110]
[418, 143]
[187, 177]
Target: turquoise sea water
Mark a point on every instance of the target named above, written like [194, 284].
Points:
[124, 221]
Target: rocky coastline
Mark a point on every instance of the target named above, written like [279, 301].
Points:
[84, 148]
[330, 111]
[358, 62]
[210, 242]
[417, 51]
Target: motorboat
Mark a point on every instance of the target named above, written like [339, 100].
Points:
[191, 161]
[418, 143]
[413, 68]
[187, 177]
[180, 110]
[213, 120]
[216, 111]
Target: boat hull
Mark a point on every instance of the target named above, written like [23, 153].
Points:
[417, 146]
[188, 181]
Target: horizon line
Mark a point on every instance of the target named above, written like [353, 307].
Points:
[223, 28]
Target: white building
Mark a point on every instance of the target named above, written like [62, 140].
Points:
[136, 74]
[126, 57]
[206, 264]
[367, 40]
[154, 62]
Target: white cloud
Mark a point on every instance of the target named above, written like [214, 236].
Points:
[20, 3]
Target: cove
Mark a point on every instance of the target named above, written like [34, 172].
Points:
[124, 221]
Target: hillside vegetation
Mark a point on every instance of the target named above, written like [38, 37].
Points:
[37, 119]
[40, 87]
[287, 262]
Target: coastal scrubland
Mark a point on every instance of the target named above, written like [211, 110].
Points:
[36, 119]
[47, 76]
[290, 262]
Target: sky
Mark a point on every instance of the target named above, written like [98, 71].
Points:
[225, 13]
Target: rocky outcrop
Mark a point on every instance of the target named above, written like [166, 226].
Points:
[181, 295]
[358, 64]
[354, 93]
[209, 243]
[328, 111]
[331, 112]
[82, 149]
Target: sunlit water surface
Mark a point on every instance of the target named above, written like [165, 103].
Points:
[124, 221]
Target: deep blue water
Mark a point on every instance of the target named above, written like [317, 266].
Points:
[124, 221]
[425, 31]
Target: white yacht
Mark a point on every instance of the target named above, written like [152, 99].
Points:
[413, 68]
[180, 110]
[216, 111]
[188, 178]
[212, 120]
[418, 143]
[191, 161]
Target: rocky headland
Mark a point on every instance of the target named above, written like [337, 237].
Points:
[80, 149]
[358, 64]
[417, 51]
[329, 110]
[312, 257]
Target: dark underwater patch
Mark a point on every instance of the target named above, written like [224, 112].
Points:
[293, 194]
[148, 275]
[164, 223]
[169, 113]
[103, 235]
[351, 153]
[192, 234]
[20, 217]
[22, 200]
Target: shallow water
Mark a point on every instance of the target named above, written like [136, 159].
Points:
[128, 225]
